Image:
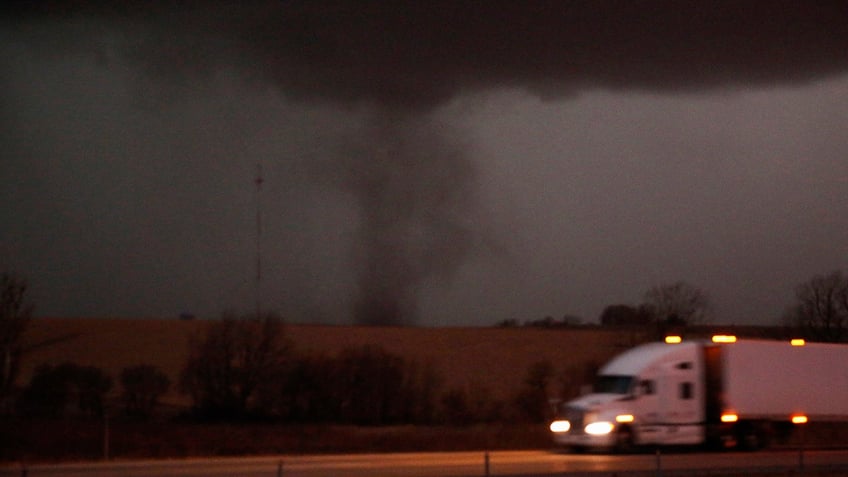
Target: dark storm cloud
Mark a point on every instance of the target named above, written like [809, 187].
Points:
[406, 57]
[408, 54]
[409, 180]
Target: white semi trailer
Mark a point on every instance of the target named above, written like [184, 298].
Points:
[724, 392]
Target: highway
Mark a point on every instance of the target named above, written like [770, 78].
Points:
[450, 464]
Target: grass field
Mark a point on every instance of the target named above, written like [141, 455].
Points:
[83, 440]
[494, 360]
[491, 359]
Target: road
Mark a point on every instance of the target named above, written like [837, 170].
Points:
[453, 464]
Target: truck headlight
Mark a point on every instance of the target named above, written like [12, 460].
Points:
[560, 426]
[599, 428]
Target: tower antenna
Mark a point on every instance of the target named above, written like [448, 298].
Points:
[258, 182]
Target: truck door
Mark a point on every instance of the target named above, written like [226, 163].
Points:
[681, 400]
[647, 410]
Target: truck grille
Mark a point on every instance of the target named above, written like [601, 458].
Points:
[575, 416]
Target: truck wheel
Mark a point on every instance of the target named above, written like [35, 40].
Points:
[750, 436]
[624, 440]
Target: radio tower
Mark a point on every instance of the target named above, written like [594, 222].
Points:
[258, 182]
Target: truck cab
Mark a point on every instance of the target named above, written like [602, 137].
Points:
[652, 394]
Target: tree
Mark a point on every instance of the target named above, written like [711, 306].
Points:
[362, 385]
[575, 378]
[372, 386]
[678, 304]
[143, 386]
[821, 308]
[306, 391]
[227, 366]
[421, 385]
[625, 315]
[456, 408]
[48, 392]
[532, 399]
[92, 385]
[15, 314]
[54, 391]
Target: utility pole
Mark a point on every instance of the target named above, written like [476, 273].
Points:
[258, 182]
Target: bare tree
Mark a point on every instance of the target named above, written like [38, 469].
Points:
[227, 366]
[532, 400]
[55, 391]
[15, 314]
[371, 387]
[143, 385]
[821, 308]
[678, 304]
[626, 315]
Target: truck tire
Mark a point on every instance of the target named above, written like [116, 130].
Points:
[751, 436]
[625, 442]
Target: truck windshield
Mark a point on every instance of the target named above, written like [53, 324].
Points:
[613, 384]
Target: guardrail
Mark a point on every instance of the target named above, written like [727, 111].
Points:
[783, 471]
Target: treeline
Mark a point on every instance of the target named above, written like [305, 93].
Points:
[72, 390]
[819, 311]
[246, 369]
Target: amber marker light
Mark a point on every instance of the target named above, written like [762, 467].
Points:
[724, 339]
[729, 417]
[799, 419]
[798, 342]
[673, 339]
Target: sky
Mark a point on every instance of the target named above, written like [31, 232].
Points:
[422, 163]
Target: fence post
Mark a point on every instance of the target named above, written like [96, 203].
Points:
[105, 435]
[659, 463]
[280, 469]
[486, 463]
[801, 446]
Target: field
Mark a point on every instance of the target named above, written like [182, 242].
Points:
[84, 440]
[491, 359]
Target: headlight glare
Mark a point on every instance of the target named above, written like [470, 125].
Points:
[599, 428]
[560, 426]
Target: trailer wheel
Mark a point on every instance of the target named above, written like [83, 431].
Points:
[751, 436]
[624, 440]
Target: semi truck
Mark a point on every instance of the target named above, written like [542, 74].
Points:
[721, 392]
